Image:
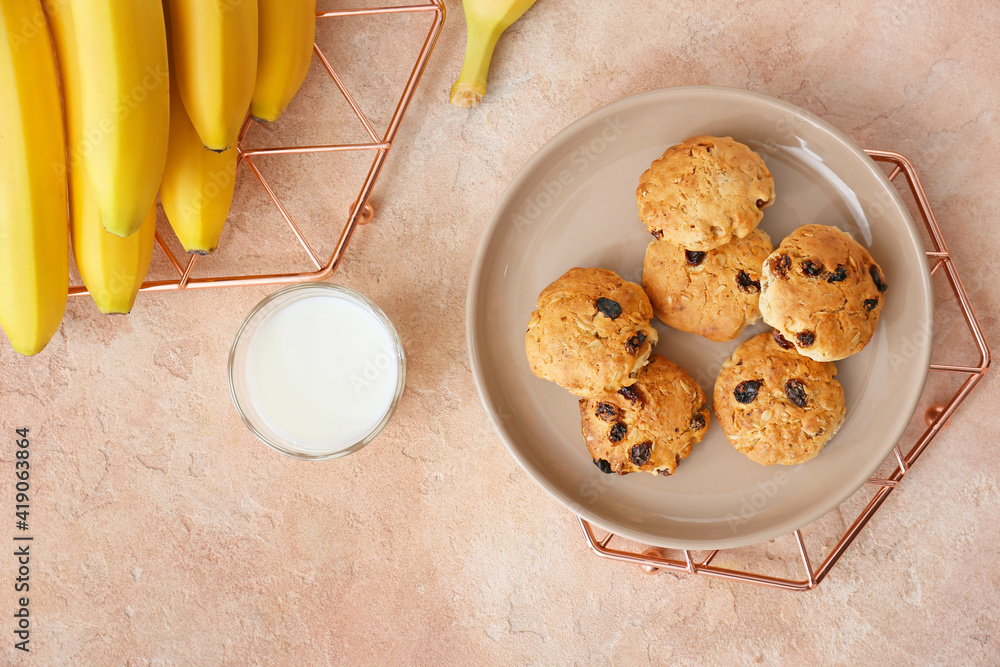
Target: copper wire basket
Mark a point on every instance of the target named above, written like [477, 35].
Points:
[360, 212]
[937, 416]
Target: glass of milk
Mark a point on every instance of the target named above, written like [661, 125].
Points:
[316, 371]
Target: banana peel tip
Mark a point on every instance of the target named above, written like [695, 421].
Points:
[465, 96]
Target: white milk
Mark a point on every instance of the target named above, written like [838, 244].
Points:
[323, 372]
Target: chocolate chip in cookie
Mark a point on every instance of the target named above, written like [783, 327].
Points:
[635, 342]
[877, 278]
[698, 422]
[796, 392]
[746, 283]
[694, 257]
[782, 342]
[811, 268]
[780, 265]
[838, 275]
[639, 454]
[609, 308]
[603, 466]
[607, 412]
[746, 391]
[617, 432]
[630, 394]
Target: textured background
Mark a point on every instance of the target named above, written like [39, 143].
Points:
[165, 534]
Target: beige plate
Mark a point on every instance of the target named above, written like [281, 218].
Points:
[573, 204]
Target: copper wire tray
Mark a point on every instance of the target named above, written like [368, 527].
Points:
[654, 560]
[361, 211]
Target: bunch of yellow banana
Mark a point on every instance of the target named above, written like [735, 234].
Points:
[261, 51]
[34, 234]
[233, 54]
[485, 21]
[132, 122]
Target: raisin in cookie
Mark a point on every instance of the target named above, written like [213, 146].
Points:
[703, 192]
[775, 405]
[712, 293]
[590, 333]
[649, 426]
[823, 292]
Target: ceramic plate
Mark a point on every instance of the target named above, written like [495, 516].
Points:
[573, 204]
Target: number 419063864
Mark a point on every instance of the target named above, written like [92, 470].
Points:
[22, 474]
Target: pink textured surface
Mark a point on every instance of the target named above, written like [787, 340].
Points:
[165, 534]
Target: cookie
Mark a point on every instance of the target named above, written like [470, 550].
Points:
[712, 293]
[775, 405]
[823, 292]
[590, 333]
[703, 192]
[649, 426]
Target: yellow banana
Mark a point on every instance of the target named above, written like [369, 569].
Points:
[34, 231]
[287, 30]
[112, 268]
[197, 188]
[215, 59]
[115, 60]
[485, 21]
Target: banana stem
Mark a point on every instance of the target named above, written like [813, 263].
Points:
[471, 84]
